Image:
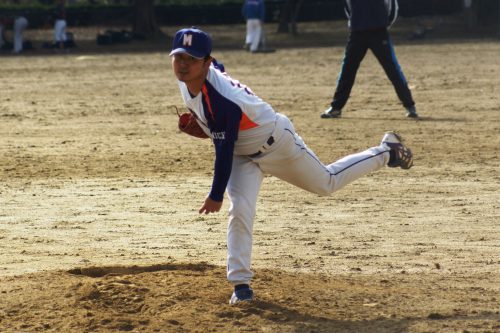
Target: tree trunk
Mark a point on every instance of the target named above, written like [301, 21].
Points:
[144, 19]
[284, 17]
[295, 14]
[289, 12]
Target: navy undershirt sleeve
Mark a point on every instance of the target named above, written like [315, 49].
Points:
[222, 169]
[224, 127]
[224, 150]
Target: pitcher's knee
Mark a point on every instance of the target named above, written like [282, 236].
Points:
[323, 191]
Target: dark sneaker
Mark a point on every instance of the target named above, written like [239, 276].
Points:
[242, 295]
[411, 112]
[331, 113]
[401, 156]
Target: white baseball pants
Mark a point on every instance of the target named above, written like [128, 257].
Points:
[289, 159]
[254, 30]
[20, 25]
[60, 31]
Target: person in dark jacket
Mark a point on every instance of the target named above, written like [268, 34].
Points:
[368, 23]
[3, 25]
[253, 11]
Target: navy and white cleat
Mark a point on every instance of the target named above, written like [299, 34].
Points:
[401, 156]
[242, 295]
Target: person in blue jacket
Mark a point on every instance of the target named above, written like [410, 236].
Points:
[253, 11]
[368, 23]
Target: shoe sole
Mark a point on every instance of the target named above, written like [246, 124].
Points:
[327, 116]
[242, 301]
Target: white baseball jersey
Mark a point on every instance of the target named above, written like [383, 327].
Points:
[236, 119]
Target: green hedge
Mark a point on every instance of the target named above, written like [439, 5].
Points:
[36, 4]
[202, 12]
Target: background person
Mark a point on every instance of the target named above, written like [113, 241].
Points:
[254, 12]
[20, 24]
[368, 23]
[60, 24]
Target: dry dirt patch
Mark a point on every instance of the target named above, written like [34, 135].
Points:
[94, 174]
[192, 298]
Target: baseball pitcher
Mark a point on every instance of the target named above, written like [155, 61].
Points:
[251, 140]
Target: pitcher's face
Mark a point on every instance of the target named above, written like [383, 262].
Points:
[188, 68]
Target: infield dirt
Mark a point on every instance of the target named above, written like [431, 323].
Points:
[99, 193]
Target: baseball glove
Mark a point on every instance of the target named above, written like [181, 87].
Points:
[188, 124]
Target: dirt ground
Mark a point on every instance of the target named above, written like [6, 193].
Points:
[99, 192]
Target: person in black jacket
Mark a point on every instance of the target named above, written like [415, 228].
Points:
[368, 23]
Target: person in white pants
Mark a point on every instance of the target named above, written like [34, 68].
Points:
[252, 140]
[20, 24]
[60, 24]
[60, 32]
[254, 12]
[254, 31]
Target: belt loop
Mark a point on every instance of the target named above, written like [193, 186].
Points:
[269, 142]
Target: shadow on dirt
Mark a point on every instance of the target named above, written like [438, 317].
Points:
[96, 272]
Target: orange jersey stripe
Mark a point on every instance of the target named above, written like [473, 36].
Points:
[207, 100]
[246, 123]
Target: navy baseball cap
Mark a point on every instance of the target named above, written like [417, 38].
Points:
[192, 41]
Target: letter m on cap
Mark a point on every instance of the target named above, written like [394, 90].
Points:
[187, 40]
